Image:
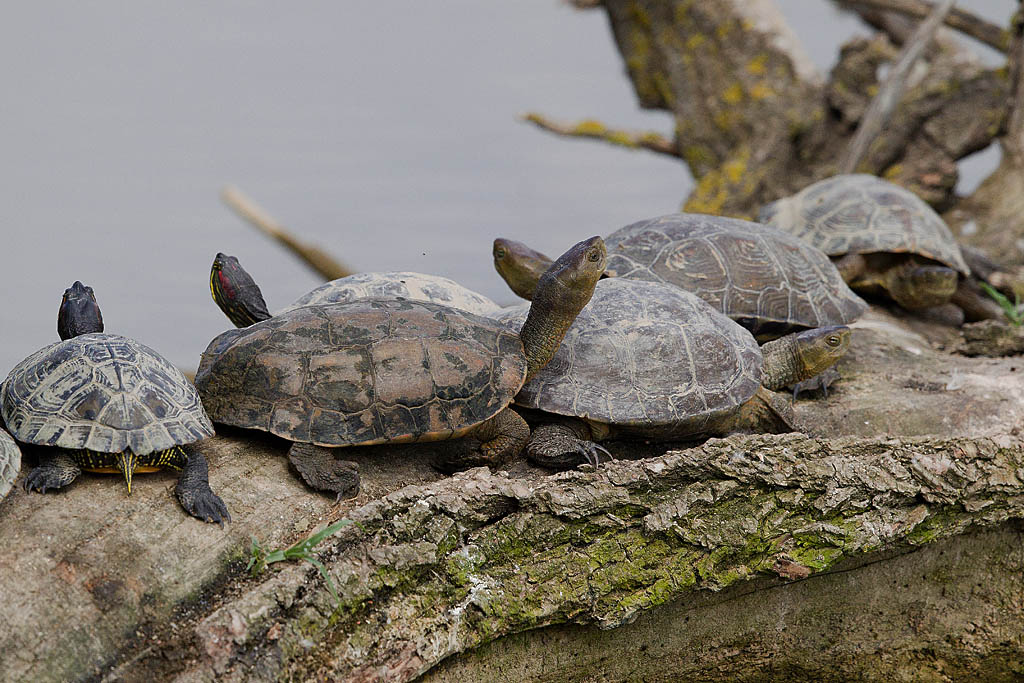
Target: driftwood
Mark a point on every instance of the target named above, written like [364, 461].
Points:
[101, 584]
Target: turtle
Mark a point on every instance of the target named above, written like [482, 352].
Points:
[766, 280]
[650, 360]
[885, 240]
[10, 463]
[393, 370]
[106, 403]
[241, 300]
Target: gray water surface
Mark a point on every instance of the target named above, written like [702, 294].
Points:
[385, 132]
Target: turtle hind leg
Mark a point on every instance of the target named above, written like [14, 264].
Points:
[492, 443]
[194, 493]
[55, 470]
[321, 470]
[564, 445]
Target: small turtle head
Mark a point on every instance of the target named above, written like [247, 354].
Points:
[820, 348]
[520, 266]
[79, 313]
[915, 286]
[235, 292]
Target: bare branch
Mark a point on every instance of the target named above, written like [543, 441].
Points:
[962, 20]
[320, 261]
[589, 128]
[891, 91]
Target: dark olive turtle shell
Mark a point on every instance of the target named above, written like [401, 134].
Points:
[863, 214]
[102, 392]
[764, 279]
[649, 358]
[10, 463]
[363, 372]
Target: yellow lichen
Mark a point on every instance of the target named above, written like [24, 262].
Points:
[589, 127]
[733, 94]
[756, 66]
[761, 91]
[694, 41]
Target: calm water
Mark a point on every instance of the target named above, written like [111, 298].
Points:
[388, 135]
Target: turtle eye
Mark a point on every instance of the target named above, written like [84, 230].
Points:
[833, 340]
[499, 252]
[594, 256]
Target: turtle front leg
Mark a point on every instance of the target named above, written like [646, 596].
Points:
[55, 470]
[321, 470]
[975, 303]
[194, 493]
[850, 266]
[564, 445]
[492, 443]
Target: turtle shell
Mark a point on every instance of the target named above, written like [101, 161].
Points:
[392, 285]
[768, 281]
[863, 214]
[102, 392]
[10, 463]
[649, 358]
[363, 372]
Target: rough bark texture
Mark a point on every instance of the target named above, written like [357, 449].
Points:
[754, 122]
[106, 585]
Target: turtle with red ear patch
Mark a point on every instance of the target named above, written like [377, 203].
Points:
[393, 370]
[106, 403]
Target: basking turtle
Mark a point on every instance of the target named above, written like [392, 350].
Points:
[766, 280]
[238, 295]
[389, 370]
[651, 360]
[10, 463]
[884, 239]
[107, 403]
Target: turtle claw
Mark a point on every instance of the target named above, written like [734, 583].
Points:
[49, 476]
[202, 503]
[590, 450]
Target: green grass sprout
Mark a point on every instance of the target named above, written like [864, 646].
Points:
[1010, 308]
[260, 557]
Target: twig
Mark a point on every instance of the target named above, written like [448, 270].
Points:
[656, 142]
[317, 259]
[962, 20]
[889, 93]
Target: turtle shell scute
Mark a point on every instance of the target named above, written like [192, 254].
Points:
[768, 281]
[363, 372]
[102, 392]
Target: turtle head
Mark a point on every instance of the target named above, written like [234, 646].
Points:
[820, 348]
[520, 266]
[803, 355]
[562, 292]
[235, 292]
[79, 313]
[914, 286]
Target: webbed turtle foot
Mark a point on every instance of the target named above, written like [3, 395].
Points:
[822, 381]
[53, 472]
[321, 470]
[194, 492]
[202, 503]
[591, 452]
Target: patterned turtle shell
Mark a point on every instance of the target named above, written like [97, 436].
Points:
[363, 372]
[392, 285]
[105, 393]
[650, 358]
[10, 463]
[764, 279]
[863, 214]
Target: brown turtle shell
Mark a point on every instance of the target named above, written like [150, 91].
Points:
[102, 392]
[764, 279]
[863, 214]
[363, 372]
[649, 358]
